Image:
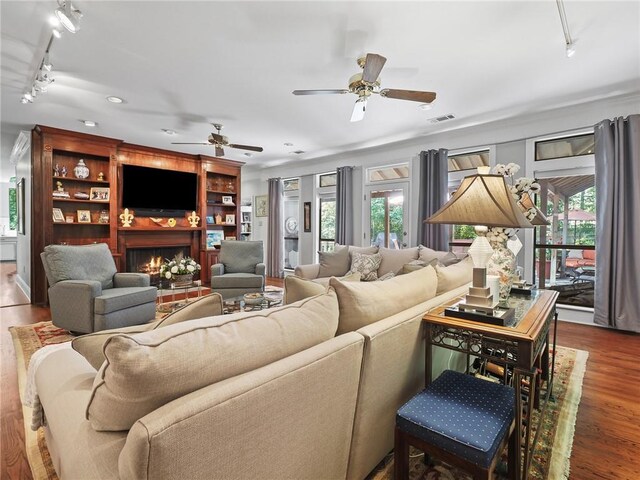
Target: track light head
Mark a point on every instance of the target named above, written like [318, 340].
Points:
[69, 16]
[571, 50]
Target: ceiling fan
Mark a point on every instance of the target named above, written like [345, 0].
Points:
[366, 83]
[219, 142]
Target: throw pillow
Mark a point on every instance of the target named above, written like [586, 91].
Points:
[386, 276]
[417, 265]
[334, 264]
[450, 258]
[427, 254]
[363, 303]
[91, 346]
[146, 370]
[393, 259]
[366, 265]
[575, 254]
[296, 288]
[454, 275]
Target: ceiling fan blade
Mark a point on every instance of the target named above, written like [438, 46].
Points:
[189, 143]
[372, 67]
[319, 92]
[245, 147]
[411, 95]
[219, 151]
[358, 110]
[217, 138]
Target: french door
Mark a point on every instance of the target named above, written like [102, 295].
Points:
[386, 216]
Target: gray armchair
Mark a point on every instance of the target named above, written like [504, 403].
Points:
[86, 294]
[241, 269]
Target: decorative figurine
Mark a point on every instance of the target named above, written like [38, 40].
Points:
[171, 222]
[218, 219]
[193, 219]
[126, 218]
[81, 170]
[101, 177]
[60, 192]
[56, 170]
[63, 171]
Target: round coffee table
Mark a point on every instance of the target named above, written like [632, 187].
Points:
[237, 304]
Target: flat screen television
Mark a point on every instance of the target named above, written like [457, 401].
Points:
[156, 192]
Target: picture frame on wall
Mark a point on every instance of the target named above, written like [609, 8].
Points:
[227, 200]
[261, 206]
[99, 194]
[84, 216]
[230, 219]
[58, 216]
[307, 217]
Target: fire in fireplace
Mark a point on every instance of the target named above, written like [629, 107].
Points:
[148, 260]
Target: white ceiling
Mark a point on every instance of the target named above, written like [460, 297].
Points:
[182, 65]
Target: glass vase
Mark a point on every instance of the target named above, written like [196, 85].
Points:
[503, 264]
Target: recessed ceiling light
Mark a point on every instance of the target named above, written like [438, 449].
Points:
[425, 106]
[168, 131]
[89, 123]
[114, 99]
[288, 144]
[297, 152]
[248, 154]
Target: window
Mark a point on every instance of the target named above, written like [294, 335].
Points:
[327, 223]
[291, 184]
[388, 173]
[328, 180]
[564, 147]
[387, 218]
[468, 160]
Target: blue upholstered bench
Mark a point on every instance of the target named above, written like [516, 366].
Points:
[462, 420]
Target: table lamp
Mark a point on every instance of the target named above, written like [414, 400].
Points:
[484, 201]
[526, 203]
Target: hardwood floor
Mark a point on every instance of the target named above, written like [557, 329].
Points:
[10, 293]
[607, 437]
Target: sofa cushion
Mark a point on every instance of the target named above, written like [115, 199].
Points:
[91, 346]
[394, 259]
[366, 265]
[414, 265]
[589, 255]
[365, 250]
[80, 262]
[144, 371]
[450, 258]
[241, 257]
[334, 264]
[454, 275]
[386, 276]
[237, 280]
[362, 303]
[114, 299]
[296, 288]
[575, 254]
[350, 277]
[427, 254]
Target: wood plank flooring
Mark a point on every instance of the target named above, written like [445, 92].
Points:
[10, 293]
[606, 442]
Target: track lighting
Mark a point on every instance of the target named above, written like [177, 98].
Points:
[46, 62]
[69, 16]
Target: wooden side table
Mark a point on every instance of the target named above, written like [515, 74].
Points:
[522, 347]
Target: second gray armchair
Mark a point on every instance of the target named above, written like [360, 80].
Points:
[240, 270]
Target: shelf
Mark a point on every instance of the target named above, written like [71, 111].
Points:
[82, 224]
[220, 204]
[77, 200]
[82, 180]
[159, 229]
[221, 225]
[221, 191]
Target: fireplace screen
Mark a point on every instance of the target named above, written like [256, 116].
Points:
[148, 260]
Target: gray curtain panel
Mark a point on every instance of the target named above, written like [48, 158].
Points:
[344, 206]
[617, 157]
[433, 194]
[275, 234]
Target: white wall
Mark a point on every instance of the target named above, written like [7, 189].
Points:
[23, 260]
[4, 209]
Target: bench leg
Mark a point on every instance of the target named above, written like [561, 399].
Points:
[400, 456]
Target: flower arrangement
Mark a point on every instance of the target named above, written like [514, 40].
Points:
[518, 188]
[180, 265]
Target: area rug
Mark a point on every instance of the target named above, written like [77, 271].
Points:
[550, 460]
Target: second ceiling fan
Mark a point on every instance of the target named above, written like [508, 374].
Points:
[219, 141]
[367, 83]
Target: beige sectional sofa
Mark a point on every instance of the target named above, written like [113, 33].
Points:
[303, 391]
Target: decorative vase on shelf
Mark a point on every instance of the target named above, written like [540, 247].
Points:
[184, 279]
[81, 170]
[503, 264]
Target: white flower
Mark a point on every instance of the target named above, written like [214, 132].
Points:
[167, 275]
[174, 269]
[500, 169]
[512, 168]
[191, 268]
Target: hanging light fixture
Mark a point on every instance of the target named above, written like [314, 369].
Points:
[68, 16]
[570, 47]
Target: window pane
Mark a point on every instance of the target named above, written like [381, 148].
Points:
[291, 184]
[329, 180]
[387, 218]
[468, 161]
[383, 174]
[327, 224]
[565, 147]
[565, 252]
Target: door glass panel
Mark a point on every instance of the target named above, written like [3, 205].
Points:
[327, 224]
[387, 218]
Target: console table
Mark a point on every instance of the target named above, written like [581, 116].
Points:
[522, 347]
[184, 291]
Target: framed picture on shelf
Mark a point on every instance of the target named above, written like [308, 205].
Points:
[230, 219]
[210, 219]
[84, 216]
[99, 194]
[246, 217]
[227, 200]
[214, 237]
[230, 238]
[262, 205]
[58, 216]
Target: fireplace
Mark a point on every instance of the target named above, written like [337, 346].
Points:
[149, 259]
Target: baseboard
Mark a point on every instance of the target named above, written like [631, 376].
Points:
[26, 289]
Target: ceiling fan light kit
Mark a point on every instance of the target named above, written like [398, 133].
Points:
[367, 83]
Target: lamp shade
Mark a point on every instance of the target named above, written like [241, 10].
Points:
[482, 200]
[526, 203]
